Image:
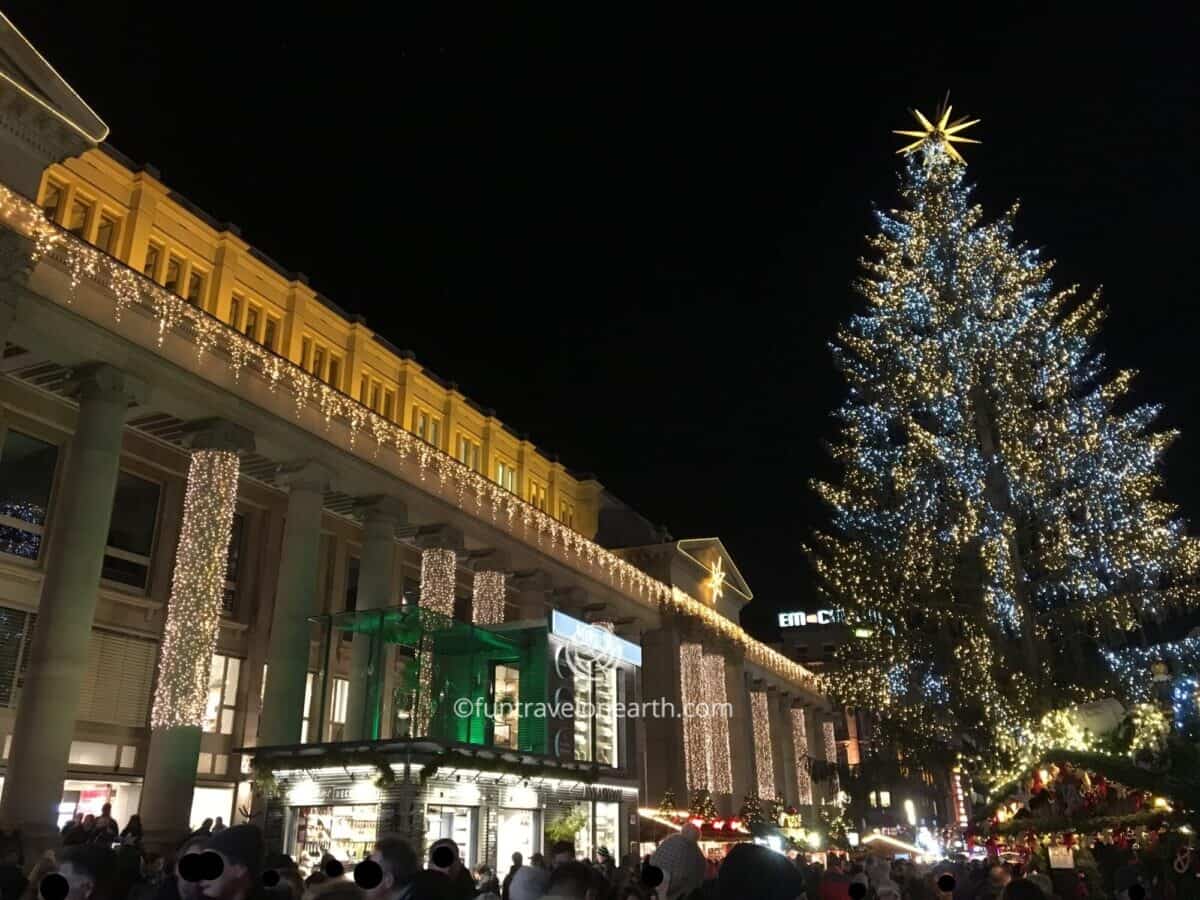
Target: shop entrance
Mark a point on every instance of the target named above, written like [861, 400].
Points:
[517, 831]
[455, 822]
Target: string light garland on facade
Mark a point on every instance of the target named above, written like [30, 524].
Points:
[997, 499]
[764, 764]
[488, 593]
[439, 574]
[721, 765]
[697, 733]
[800, 742]
[131, 291]
[831, 755]
[197, 589]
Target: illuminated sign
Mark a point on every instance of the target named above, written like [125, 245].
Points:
[599, 641]
[800, 619]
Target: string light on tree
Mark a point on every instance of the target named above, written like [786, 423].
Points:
[197, 588]
[997, 503]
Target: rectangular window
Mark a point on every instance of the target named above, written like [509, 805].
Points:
[318, 362]
[376, 397]
[131, 531]
[269, 332]
[305, 353]
[26, 476]
[222, 694]
[150, 266]
[106, 233]
[506, 697]
[79, 218]
[885, 799]
[469, 453]
[338, 708]
[52, 199]
[235, 312]
[195, 291]
[364, 390]
[506, 475]
[537, 496]
[389, 404]
[251, 329]
[428, 428]
[233, 566]
[174, 273]
[566, 514]
[335, 371]
[308, 693]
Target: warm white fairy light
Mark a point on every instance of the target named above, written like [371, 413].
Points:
[197, 587]
[173, 314]
[439, 568]
[697, 739]
[831, 755]
[800, 742]
[487, 598]
[720, 767]
[764, 763]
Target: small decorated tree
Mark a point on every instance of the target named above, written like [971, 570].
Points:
[751, 812]
[776, 810]
[668, 807]
[702, 806]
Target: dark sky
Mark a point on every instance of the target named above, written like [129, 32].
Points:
[634, 237]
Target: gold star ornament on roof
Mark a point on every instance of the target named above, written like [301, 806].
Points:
[716, 579]
[945, 133]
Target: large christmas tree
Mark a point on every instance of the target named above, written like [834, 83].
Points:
[996, 518]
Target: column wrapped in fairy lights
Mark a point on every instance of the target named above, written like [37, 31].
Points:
[439, 571]
[487, 598]
[764, 764]
[197, 587]
[803, 773]
[720, 764]
[831, 756]
[696, 738]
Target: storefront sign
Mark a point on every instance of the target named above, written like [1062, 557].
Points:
[602, 794]
[801, 619]
[597, 640]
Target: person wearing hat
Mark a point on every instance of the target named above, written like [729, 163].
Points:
[444, 857]
[241, 850]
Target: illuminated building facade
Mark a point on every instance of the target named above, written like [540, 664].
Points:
[207, 467]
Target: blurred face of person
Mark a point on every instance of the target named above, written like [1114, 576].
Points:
[233, 882]
[80, 884]
[999, 876]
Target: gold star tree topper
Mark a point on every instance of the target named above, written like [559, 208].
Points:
[945, 133]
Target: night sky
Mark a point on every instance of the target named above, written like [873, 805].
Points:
[634, 238]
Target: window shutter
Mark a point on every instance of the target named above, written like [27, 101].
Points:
[116, 685]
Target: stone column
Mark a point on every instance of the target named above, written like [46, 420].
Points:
[45, 721]
[532, 588]
[295, 602]
[190, 633]
[787, 748]
[741, 750]
[380, 515]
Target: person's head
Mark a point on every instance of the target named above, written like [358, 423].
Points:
[89, 820]
[87, 869]
[395, 864]
[576, 880]
[537, 861]
[206, 825]
[752, 872]
[106, 810]
[562, 852]
[691, 832]
[999, 875]
[219, 821]
[517, 859]
[835, 864]
[241, 851]
[444, 858]
[482, 872]
[338, 889]
[1022, 889]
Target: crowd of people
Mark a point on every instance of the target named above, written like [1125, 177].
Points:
[99, 862]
